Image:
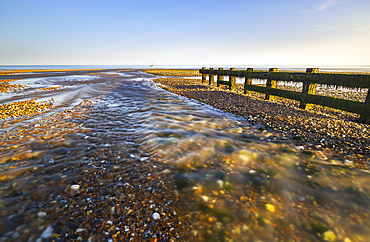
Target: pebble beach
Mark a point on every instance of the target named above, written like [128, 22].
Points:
[156, 155]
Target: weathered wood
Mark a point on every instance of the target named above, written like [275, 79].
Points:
[223, 83]
[270, 84]
[247, 81]
[204, 76]
[211, 78]
[365, 115]
[310, 79]
[232, 80]
[308, 88]
[220, 78]
[342, 104]
[344, 80]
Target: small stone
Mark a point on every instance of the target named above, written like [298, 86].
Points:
[79, 230]
[47, 232]
[41, 214]
[220, 183]
[244, 198]
[75, 187]
[15, 235]
[270, 207]
[329, 236]
[155, 216]
[166, 171]
[349, 163]
[205, 198]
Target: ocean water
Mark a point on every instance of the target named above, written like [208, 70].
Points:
[30, 67]
[364, 68]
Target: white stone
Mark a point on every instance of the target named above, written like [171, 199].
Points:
[75, 187]
[348, 163]
[47, 232]
[220, 183]
[41, 214]
[205, 198]
[166, 171]
[155, 216]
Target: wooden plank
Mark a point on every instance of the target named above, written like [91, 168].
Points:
[345, 80]
[365, 116]
[270, 84]
[308, 88]
[232, 80]
[342, 104]
[220, 78]
[222, 83]
[204, 77]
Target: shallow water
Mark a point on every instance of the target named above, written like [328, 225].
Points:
[236, 181]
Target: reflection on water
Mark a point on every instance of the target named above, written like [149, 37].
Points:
[236, 181]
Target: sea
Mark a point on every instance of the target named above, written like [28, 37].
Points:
[336, 68]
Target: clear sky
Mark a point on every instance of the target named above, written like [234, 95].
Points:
[188, 32]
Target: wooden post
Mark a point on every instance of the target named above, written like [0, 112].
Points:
[248, 81]
[211, 78]
[308, 88]
[270, 84]
[204, 76]
[219, 77]
[365, 116]
[232, 80]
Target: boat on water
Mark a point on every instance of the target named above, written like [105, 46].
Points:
[154, 64]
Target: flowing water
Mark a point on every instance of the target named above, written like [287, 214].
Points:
[234, 181]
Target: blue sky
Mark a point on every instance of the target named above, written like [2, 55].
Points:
[134, 32]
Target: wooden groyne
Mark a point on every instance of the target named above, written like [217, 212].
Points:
[309, 79]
